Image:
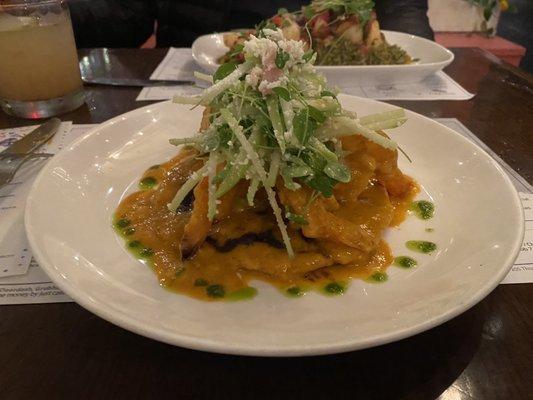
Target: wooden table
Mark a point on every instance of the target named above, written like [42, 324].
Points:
[62, 351]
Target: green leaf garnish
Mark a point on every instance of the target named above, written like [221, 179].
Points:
[338, 172]
[322, 183]
[327, 93]
[224, 70]
[303, 126]
[281, 59]
[237, 49]
[296, 218]
[316, 114]
[282, 93]
[308, 55]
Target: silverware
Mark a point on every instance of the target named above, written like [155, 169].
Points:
[12, 158]
[11, 163]
[134, 82]
[34, 139]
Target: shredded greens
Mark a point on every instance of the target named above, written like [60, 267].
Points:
[273, 121]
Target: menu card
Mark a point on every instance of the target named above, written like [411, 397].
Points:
[179, 64]
[22, 281]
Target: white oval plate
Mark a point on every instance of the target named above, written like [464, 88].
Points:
[207, 49]
[478, 228]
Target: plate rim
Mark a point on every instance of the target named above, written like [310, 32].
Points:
[437, 64]
[134, 324]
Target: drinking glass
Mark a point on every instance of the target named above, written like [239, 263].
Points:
[39, 72]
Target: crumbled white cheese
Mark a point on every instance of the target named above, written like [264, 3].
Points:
[261, 48]
[294, 49]
[267, 75]
[254, 77]
[266, 86]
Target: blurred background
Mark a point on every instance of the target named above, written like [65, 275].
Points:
[502, 27]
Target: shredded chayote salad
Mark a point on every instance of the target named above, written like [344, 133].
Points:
[273, 117]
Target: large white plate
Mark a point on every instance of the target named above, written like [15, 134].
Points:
[478, 228]
[433, 57]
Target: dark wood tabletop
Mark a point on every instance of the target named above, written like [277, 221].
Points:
[55, 351]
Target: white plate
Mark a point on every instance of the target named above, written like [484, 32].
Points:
[433, 57]
[478, 228]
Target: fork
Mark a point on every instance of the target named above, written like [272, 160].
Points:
[11, 163]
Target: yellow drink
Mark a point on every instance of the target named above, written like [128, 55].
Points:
[38, 63]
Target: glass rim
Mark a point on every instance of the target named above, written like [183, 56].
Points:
[32, 4]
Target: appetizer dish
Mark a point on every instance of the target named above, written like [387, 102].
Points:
[280, 184]
[341, 32]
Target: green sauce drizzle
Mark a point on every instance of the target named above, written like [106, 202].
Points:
[148, 183]
[134, 244]
[424, 209]
[294, 291]
[215, 291]
[243, 294]
[421, 246]
[335, 288]
[200, 282]
[405, 262]
[378, 277]
[122, 223]
[139, 250]
[128, 231]
[146, 252]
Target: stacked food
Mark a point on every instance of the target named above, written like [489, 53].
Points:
[341, 32]
[280, 184]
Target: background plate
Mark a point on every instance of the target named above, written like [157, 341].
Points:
[433, 57]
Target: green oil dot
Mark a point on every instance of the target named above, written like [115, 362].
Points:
[405, 262]
[243, 294]
[129, 231]
[200, 282]
[334, 288]
[294, 291]
[148, 183]
[215, 291]
[146, 252]
[134, 244]
[430, 230]
[378, 277]
[421, 246]
[122, 223]
[423, 209]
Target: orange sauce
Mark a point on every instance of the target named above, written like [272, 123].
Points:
[219, 270]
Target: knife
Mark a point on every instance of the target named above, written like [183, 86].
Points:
[34, 139]
[132, 82]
